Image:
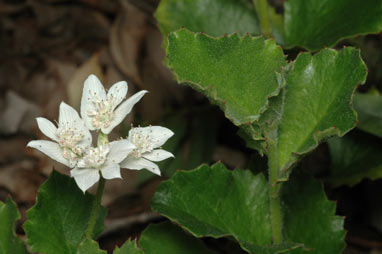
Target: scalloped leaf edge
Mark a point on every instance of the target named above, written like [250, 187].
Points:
[210, 91]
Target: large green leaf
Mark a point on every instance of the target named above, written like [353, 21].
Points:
[314, 105]
[309, 217]
[369, 109]
[237, 73]
[216, 202]
[58, 222]
[355, 157]
[9, 242]
[214, 17]
[166, 238]
[314, 24]
[212, 201]
[129, 247]
[88, 246]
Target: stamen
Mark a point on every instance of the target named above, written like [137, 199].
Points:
[143, 142]
[104, 112]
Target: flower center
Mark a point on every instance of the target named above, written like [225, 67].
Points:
[142, 141]
[95, 157]
[103, 113]
[68, 139]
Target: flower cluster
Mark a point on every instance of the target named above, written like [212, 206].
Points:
[71, 142]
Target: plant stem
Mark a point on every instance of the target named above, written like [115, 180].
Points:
[274, 194]
[261, 7]
[95, 207]
[102, 140]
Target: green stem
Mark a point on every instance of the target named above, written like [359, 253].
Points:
[261, 7]
[95, 207]
[102, 140]
[274, 194]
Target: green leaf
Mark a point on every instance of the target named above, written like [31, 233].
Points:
[88, 246]
[166, 238]
[57, 223]
[237, 73]
[9, 242]
[214, 17]
[314, 24]
[231, 203]
[213, 201]
[314, 105]
[355, 157]
[309, 217]
[369, 109]
[129, 247]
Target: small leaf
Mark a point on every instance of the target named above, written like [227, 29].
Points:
[57, 223]
[214, 17]
[231, 203]
[9, 242]
[369, 109]
[129, 247]
[89, 246]
[314, 105]
[237, 73]
[355, 157]
[166, 238]
[314, 24]
[309, 217]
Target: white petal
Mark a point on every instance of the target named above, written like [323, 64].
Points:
[157, 155]
[139, 163]
[85, 177]
[119, 151]
[121, 112]
[87, 140]
[68, 115]
[52, 149]
[92, 90]
[47, 127]
[118, 91]
[111, 171]
[158, 134]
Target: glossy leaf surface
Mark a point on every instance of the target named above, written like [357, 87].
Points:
[314, 105]
[235, 203]
[369, 109]
[309, 217]
[88, 246]
[231, 203]
[214, 17]
[314, 24]
[58, 221]
[167, 238]
[9, 242]
[237, 73]
[355, 157]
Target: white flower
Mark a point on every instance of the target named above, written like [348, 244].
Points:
[105, 159]
[147, 141]
[99, 110]
[71, 137]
